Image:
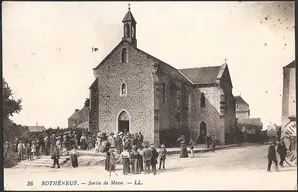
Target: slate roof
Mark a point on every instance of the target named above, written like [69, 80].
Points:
[128, 17]
[239, 99]
[250, 121]
[82, 114]
[36, 129]
[75, 115]
[83, 125]
[202, 75]
[291, 65]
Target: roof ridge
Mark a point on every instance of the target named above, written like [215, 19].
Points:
[200, 67]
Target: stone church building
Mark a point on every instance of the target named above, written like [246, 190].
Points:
[137, 92]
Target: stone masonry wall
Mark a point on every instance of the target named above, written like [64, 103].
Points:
[94, 104]
[174, 112]
[210, 114]
[137, 75]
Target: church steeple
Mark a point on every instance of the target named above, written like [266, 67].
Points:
[129, 28]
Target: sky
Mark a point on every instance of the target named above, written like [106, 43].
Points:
[48, 60]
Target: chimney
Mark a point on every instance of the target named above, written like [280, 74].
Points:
[77, 110]
[36, 124]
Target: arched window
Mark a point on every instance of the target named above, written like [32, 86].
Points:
[202, 100]
[123, 90]
[124, 55]
[126, 30]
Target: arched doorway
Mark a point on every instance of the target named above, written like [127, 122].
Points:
[123, 122]
[202, 133]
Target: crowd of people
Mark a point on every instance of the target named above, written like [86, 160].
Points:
[136, 154]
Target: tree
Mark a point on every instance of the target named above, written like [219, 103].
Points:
[10, 105]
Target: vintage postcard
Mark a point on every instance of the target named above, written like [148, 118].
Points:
[149, 96]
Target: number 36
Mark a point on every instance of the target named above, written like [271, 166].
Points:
[29, 183]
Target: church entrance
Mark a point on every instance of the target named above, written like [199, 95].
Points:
[202, 133]
[123, 122]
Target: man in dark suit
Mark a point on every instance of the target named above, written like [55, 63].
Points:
[154, 159]
[55, 156]
[272, 157]
[282, 151]
[147, 155]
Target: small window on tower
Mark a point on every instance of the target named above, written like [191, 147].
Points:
[202, 100]
[124, 55]
[123, 90]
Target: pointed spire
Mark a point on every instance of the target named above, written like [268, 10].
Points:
[128, 16]
[225, 60]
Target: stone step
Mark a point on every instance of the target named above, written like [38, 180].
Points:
[48, 160]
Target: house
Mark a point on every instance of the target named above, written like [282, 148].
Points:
[136, 92]
[251, 128]
[79, 116]
[35, 129]
[242, 108]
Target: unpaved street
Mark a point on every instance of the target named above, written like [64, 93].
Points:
[235, 168]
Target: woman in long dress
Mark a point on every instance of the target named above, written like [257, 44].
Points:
[191, 146]
[118, 144]
[83, 142]
[135, 160]
[74, 158]
[141, 161]
[107, 161]
[112, 163]
[125, 160]
[182, 141]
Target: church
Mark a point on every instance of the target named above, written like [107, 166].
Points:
[136, 92]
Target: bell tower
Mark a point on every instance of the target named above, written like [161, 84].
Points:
[129, 28]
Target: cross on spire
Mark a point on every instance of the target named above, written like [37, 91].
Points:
[225, 60]
[128, 6]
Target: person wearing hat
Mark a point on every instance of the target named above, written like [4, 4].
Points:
[282, 151]
[154, 159]
[55, 156]
[183, 153]
[272, 157]
[162, 156]
[135, 163]
[147, 155]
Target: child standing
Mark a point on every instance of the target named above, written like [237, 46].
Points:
[33, 148]
[191, 143]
